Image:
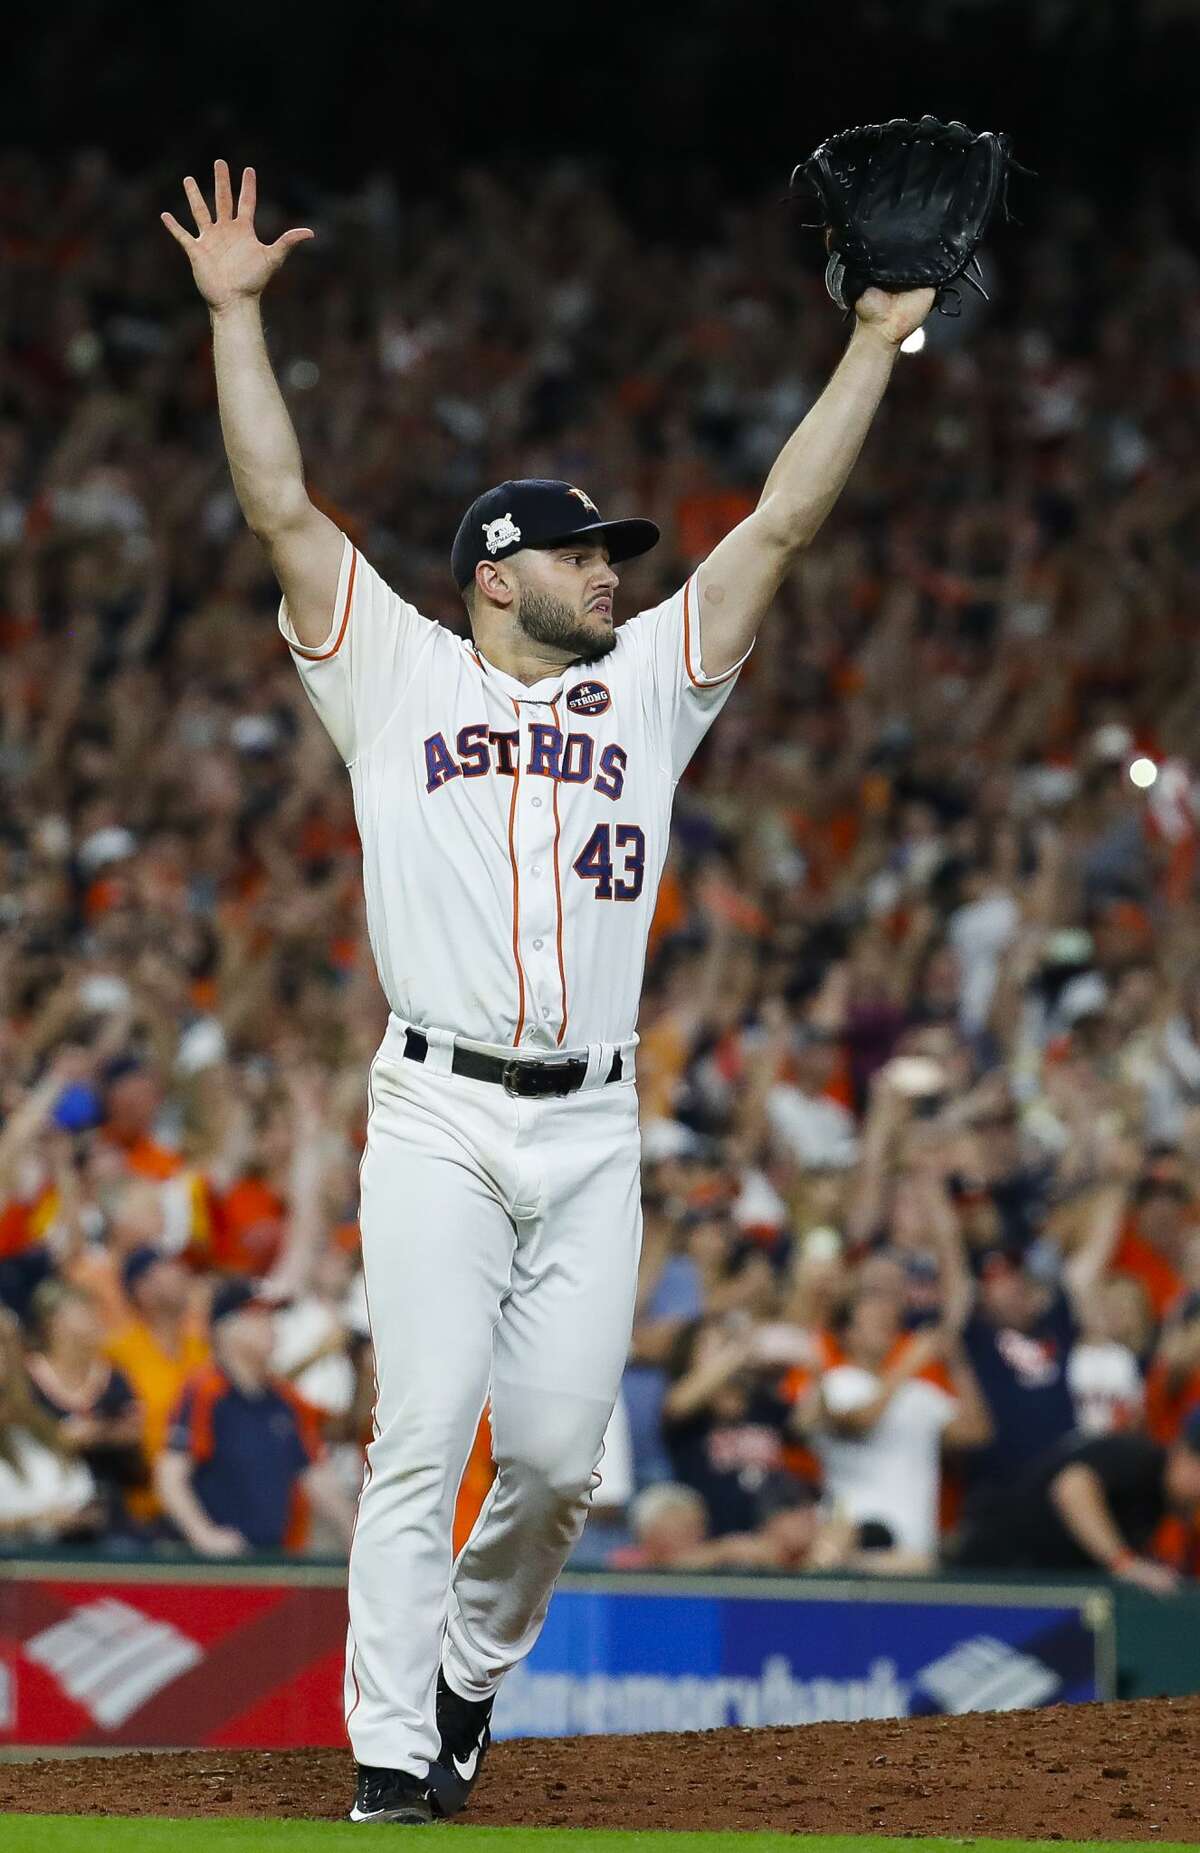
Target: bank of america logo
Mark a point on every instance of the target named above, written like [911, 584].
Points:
[110, 1658]
[985, 1674]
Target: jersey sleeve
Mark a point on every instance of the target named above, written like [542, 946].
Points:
[681, 699]
[357, 676]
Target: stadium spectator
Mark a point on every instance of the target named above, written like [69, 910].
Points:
[99, 1418]
[315, 1275]
[882, 1416]
[156, 1348]
[1103, 1372]
[669, 1523]
[314, 1336]
[1092, 1504]
[1023, 1332]
[726, 1422]
[47, 1494]
[243, 1449]
[812, 1130]
[1019, 1339]
[670, 1297]
[792, 1533]
[1173, 1385]
[1162, 1214]
[797, 1531]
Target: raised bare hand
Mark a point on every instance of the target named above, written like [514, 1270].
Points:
[228, 261]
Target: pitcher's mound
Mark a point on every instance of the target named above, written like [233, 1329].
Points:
[1108, 1772]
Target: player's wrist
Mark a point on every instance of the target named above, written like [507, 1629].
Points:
[870, 333]
[245, 304]
[1121, 1561]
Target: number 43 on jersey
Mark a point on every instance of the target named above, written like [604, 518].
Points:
[594, 862]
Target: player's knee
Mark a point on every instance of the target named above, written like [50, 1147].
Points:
[558, 1469]
[568, 1485]
[561, 1492]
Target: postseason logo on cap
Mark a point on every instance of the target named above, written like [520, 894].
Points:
[502, 532]
[540, 512]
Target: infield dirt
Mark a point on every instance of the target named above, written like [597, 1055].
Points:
[1108, 1772]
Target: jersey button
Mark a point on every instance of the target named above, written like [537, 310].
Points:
[537, 945]
[537, 804]
[536, 869]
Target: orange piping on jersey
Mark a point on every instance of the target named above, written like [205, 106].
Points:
[562, 970]
[512, 856]
[321, 656]
[695, 680]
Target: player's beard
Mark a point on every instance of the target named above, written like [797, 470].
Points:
[552, 621]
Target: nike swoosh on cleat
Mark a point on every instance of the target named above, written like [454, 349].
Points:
[466, 1769]
[404, 1813]
[413, 1817]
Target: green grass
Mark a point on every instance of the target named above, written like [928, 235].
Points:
[61, 1833]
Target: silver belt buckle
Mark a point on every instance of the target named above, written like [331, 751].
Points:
[508, 1077]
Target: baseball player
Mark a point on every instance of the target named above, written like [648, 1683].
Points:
[513, 796]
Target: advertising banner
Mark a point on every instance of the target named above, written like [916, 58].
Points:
[171, 1662]
[157, 1656]
[657, 1657]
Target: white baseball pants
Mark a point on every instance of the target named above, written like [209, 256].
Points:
[500, 1247]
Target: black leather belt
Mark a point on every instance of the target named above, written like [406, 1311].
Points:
[526, 1078]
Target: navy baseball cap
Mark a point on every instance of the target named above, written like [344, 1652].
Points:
[536, 512]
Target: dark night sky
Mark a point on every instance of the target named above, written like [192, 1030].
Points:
[747, 86]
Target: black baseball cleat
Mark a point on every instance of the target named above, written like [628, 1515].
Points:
[391, 1795]
[464, 1726]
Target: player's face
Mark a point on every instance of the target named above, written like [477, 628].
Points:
[566, 599]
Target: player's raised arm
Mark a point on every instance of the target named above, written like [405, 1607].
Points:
[743, 573]
[232, 268]
[904, 205]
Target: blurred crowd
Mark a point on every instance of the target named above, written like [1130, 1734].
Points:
[920, 1056]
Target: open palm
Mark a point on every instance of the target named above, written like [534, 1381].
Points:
[228, 260]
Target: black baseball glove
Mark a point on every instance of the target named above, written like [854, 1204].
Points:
[905, 204]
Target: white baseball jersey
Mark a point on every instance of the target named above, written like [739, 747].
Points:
[513, 836]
